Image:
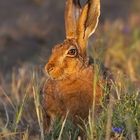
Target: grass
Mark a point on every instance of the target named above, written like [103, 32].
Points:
[117, 46]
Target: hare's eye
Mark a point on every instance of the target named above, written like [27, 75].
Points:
[72, 52]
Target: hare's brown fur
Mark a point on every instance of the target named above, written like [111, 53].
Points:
[73, 95]
[70, 84]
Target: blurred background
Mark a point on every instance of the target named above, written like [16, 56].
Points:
[30, 28]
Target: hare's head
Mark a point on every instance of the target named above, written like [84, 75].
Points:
[70, 56]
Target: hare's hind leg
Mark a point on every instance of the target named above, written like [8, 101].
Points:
[46, 123]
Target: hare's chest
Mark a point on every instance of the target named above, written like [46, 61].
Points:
[65, 90]
[74, 90]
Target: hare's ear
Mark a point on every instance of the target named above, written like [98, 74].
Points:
[88, 22]
[72, 12]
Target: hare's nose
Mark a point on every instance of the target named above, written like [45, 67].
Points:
[49, 67]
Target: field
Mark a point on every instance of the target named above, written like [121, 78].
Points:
[28, 31]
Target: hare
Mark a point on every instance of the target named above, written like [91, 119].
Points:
[69, 87]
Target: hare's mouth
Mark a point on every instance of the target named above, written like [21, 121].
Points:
[57, 74]
[53, 77]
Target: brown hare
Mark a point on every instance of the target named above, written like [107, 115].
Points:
[69, 87]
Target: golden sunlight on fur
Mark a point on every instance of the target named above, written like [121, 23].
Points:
[69, 87]
[73, 94]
